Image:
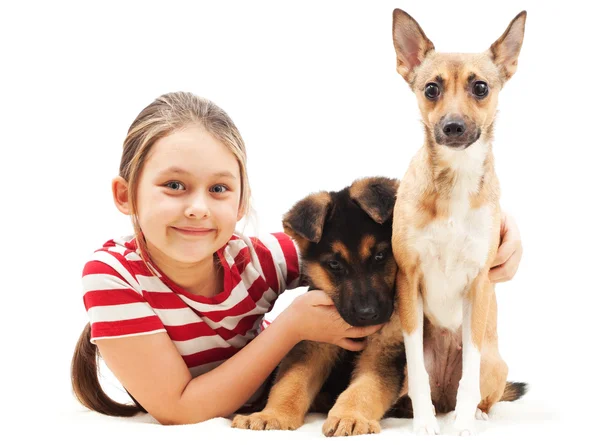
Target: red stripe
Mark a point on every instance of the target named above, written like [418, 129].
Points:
[258, 289]
[126, 327]
[190, 331]
[164, 300]
[267, 264]
[95, 267]
[242, 259]
[244, 325]
[208, 356]
[291, 256]
[110, 297]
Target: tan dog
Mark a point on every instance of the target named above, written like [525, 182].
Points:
[446, 227]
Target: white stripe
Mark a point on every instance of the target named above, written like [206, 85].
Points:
[120, 312]
[200, 344]
[120, 249]
[254, 261]
[102, 281]
[153, 284]
[156, 331]
[108, 259]
[232, 250]
[133, 256]
[177, 317]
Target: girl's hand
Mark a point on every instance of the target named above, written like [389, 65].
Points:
[509, 254]
[313, 316]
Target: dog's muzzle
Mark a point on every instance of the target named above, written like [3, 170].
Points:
[456, 132]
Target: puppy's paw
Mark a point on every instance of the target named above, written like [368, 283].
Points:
[267, 420]
[350, 425]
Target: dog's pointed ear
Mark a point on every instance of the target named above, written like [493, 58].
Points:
[410, 42]
[376, 196]
[305, 220]
[505, 51]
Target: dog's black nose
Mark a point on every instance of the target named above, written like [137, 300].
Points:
[366, 313]
[454, 128]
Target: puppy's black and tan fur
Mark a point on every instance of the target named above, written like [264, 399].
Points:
[345, 243]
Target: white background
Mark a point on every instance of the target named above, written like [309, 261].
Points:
[313, 89]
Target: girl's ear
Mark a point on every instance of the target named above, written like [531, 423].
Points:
[120, 190]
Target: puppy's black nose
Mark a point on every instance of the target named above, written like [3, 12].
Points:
[366, 313]
[454, 128]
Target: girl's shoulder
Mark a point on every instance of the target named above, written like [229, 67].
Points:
[274, 255]
[120, 254]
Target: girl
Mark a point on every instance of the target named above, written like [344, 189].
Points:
[174, 307]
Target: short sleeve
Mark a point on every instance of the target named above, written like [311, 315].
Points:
[280, 260]
[114, 300]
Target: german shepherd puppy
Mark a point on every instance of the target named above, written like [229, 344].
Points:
[344, 240]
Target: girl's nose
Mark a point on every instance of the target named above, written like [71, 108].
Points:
[197, 207]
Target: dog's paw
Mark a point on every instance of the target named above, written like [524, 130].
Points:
[350, 425]
[480, 415]
[463, 426]
[265, 420]
[426, 425]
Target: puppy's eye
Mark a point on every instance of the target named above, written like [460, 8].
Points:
[432, 91]
[334, 265]
[480, 89]
[379, 257]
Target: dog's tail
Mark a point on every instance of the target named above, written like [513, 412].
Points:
[513, 391]
[85, 383]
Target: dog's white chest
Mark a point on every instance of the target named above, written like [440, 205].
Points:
[452, 253]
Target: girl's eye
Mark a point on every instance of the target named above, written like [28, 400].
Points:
[175, 185]
[219, 188]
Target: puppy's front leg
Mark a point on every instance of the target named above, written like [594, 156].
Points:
[475, 312]
[299, 378]
[376, 384]
[411, 319]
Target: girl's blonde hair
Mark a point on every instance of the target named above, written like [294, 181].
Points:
[168, 113]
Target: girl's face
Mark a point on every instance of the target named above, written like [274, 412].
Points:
[188, 196]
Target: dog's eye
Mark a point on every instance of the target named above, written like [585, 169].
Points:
[432, 90]
[334, 265]
[379, 257]
[480, 89]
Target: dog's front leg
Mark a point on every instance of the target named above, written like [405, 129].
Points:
[376, 384]
[475, 313]
[411, 319]
[300, 376]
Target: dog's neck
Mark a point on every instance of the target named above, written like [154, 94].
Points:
[460, 176]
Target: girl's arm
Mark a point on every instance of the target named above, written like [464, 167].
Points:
[153, 371]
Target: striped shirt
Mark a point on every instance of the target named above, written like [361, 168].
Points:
[124, 298]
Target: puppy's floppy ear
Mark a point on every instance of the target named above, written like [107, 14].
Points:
[505, 51]
[305, 220]
[376, 196]
[410, 42]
